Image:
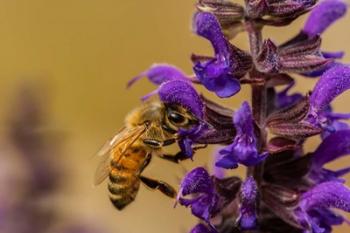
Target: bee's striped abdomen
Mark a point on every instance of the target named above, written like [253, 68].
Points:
[124, 181]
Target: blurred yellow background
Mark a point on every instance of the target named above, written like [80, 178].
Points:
[80, 54]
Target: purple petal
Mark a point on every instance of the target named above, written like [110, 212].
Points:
[323, 15]
[319, 175]
[243, 120]
[327, 216]
[248, 218]
[213, 75]
[332, 147]
[204, 206]
[331, 84]
[227, 160]
[225, 87]
[334, 55]
[149, 95]
[206, 25]
[329, 195]
[284, 100]
[182, 93]
[334, 123]
[342, 172]
[338, 125]
[217, 170]
[185, 145]
[249, 191]
[160, 73]
[187, 202]
[243, 149]
[334, 127]
[338, 116]
[314, 211]
[197, 181]
[204, 203]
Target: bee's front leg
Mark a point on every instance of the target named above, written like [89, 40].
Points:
[179, 156]
[162, 186]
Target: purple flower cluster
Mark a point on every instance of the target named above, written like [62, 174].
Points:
[286, 189]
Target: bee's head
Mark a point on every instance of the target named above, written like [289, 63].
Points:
[177, 117]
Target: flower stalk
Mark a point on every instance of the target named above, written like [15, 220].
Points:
[259, 95]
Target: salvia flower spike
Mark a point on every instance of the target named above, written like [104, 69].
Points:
[285, 189]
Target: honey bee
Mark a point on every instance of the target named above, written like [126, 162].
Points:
[147, 130]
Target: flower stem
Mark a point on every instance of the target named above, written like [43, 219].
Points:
[259, 97]
[255, 38]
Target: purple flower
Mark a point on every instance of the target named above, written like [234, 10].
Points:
[248, 218]
[332, 83]
[219, 74]
[323, 196]
[208, 197]
[332, 147]
[323, 15]
[244, 147]
[204, 205]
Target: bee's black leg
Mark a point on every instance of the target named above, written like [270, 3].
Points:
[146, 162]
[180, 155]
[169, 142]
[200, 147]
[162, 186]
[174, 158]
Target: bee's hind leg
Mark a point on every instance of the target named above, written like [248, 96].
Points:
[162, 186]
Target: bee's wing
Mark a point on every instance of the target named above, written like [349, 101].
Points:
[110, 143]
[102, 170]
[124, 139]
[128, 140]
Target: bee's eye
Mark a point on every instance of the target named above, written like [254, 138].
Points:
[176, 118]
